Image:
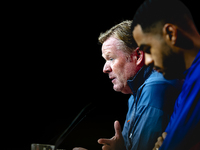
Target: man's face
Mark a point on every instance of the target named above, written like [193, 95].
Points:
[158, 52]
[117, 65]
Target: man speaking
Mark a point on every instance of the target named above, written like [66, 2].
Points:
[152, 96]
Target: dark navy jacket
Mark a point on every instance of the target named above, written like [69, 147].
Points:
[150, 107]
[184, 127]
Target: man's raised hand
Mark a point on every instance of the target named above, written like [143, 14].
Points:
[116, 142]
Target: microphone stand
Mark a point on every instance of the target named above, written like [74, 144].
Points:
[83, 113]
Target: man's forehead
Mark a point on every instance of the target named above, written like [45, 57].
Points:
[138, 34]
[109, 44]
[142, 38]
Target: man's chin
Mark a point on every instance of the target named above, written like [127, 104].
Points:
[124, 90]
[117, 88]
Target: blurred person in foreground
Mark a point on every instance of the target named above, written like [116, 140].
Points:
[152, 96]
[165, 31]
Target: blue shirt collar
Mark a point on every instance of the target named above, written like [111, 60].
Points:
[139, 78]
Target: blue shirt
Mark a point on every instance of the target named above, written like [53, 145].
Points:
[184, 127]
[150, 108]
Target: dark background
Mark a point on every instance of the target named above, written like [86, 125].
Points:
[53, 68]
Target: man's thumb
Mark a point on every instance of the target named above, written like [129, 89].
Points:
[117, 127]
[164, 135]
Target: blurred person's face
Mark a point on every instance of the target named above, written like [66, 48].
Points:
[119, 66]
[160, 53]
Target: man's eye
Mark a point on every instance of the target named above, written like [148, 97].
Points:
[147, 50]
[111, 59]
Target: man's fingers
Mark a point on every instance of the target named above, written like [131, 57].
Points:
[79, 148]
[105, 147]
[157, 146]
[111, 143]
[164, 134]
[104, 141]
[160, 141]
[117, 127]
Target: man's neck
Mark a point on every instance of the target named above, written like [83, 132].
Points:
[189, 56]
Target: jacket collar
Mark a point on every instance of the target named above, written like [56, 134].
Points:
[139, 78]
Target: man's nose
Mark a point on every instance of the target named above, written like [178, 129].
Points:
[148, 59]
[107, 68]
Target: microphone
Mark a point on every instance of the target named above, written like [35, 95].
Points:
[82, 114]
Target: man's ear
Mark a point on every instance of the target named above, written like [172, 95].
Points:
[170, 33]
[140, 57]
[176, 37]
